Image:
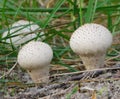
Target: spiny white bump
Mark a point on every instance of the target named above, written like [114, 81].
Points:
[35, 57]
[91, 40]
[20, 32]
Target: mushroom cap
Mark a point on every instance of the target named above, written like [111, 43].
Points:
[91, 38]
[20, 30]
[35, 54]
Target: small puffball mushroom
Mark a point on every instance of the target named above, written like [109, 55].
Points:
[35, 57]
[91, 42]
[19, 32]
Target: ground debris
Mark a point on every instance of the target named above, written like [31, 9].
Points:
[94, 84]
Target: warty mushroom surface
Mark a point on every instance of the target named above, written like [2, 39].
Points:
[90, 42]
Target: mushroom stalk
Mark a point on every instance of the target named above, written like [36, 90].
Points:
[92, 61]
[39, 74]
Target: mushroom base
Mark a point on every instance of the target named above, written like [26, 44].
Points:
[93, 61]
[39, 75]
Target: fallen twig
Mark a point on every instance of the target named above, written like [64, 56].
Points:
[85, 74]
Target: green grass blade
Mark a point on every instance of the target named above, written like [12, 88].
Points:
[89, 13]
[57, 6]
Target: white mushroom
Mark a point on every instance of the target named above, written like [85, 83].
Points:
[35, 57]
[19, 32]
[90, 42]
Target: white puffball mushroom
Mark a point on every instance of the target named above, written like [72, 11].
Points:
[35, 57]
[90, 42]
[20, 32]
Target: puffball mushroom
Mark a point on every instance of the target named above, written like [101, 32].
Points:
[19, 32]
[35, 57]
[91, 42]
